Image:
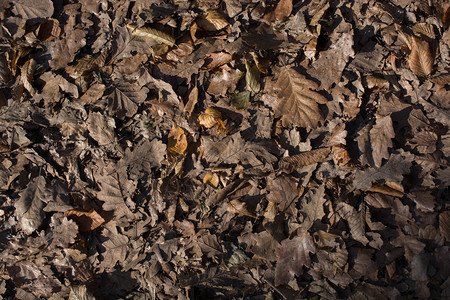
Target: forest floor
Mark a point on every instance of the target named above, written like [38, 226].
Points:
[224, 149]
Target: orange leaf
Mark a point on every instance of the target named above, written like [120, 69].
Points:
[177, 141]
[86, 221]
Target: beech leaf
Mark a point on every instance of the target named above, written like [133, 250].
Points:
[297, 99]
[420, 59]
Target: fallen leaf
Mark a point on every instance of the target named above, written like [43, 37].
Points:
[291, 163]
[297, 99]
[420, 60]
[293, 256]
[177, 141]
[151, 33]
[86, 221]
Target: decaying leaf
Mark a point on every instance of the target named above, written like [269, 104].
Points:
[297, 99]
[420, 60]
[291, 163]
[151, 33]
[283, 9]
[240, 100]
[381, 136]
[293, 256]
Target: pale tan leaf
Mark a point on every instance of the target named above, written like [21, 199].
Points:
[154, 34]
[193, 98]
[210, 117]
[420, 60]
[355, 220]
[290, 163]
[238, 207]
[298, 101]
[252, 78]
[424, 29]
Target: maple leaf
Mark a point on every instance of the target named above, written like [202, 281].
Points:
[293, 256]
[298, 101]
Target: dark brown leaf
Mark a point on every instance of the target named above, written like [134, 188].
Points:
[293, 256]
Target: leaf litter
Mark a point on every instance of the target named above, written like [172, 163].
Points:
[224, 149]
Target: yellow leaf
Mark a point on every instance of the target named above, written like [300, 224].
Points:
[212, 179]
[177, 141]
[210, 117]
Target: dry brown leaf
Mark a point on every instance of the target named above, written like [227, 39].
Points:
[193, 98]
[420, 59]
[283, 9]
[215, 60]
[177, 141]
[239, 207]
[291, 163]
[387, 190]
[48, 30]
[292, 256]
[212, 179]
[261, 63]
[86, 221]
[424, 29]
[154, 34]
[212, 20]
[298, 101]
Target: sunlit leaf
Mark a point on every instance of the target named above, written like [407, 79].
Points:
[154, 34]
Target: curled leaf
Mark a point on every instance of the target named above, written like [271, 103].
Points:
[252, 78]
[86, 221]
[290, 163]
[177, 141]
[154, 34]
[210, 117]
[212, 179]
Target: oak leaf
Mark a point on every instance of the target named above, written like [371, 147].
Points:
[380, 136]
[298, 101]
[292, 256]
